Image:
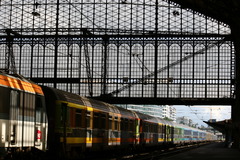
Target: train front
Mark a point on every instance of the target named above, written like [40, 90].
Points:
[23, 123]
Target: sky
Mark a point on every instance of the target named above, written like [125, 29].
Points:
[203, 113]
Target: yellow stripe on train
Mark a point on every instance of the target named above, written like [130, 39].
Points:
[77, 140]
[160, 139]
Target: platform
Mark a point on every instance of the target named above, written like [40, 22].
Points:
[215, 151]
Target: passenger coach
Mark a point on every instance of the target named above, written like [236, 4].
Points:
[23, 121]
[78, 124]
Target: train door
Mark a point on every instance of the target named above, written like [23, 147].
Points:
[172, 133]
[39, 124]
[13, 119]
[110, 130]
[141, 134]
[169, 133]
[137, 131]
[114, 135]
[89, 127]
[89, 123]
[165, 132]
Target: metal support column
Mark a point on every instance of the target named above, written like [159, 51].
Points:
[236, 105]
[56, 46]
[156, 51]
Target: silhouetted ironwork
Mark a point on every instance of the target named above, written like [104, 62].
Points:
[130, 50]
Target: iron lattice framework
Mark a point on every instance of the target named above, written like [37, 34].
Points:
[119, 48]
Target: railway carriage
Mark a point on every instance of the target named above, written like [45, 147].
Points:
[81, 124]
[23, 122]
[178, 134]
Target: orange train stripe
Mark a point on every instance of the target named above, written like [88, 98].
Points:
[3, 80]
[37, 89]
[20, 85]
[114, 139]
[73, 140]
[13, 83]
[27, 86]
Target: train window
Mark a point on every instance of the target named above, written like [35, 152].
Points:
[187, 132]
[159, 129]
[102, 121]
[39, 102]
[145, 127]
[78, 118]
[72, 117]
[126, 124]
[14, 100]
[164, 127]
[176, 131]
[88, 120]
[155, 128]
[39, 106]
[172, 130]
[95, 120]
[150, 127]
[122, 125]
[130, 125]
[168, 130]
[4, 100]
[29, 105]
[116, 123]
[65, 118]
[110, 122]
[21, 100]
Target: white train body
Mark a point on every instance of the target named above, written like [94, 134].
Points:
[23, 121]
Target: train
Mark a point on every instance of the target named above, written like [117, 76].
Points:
[64, 124]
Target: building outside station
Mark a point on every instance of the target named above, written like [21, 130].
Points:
[160, 111]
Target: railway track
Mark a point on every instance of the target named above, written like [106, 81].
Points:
[148, 154]
[154, 154]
